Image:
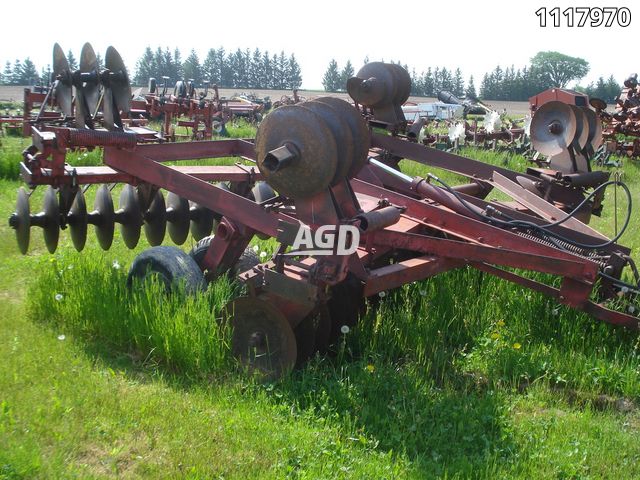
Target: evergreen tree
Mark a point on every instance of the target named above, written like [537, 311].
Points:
[226, 74]
[16, 73]
[100, 60]
[458, 83]
[145, 68]
[613, 90]
[192, 69]
[7, 73]
[331, 78]
[29, 73]
[346, 73]
[295, 73]
[73, 63]
[470, 91]
[177, 64]
[211, 67]
[428, 83]
[266, 71]
[255, 66]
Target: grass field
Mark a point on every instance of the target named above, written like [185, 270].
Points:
[460, 376]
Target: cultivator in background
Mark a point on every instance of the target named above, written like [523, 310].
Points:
[567, 132]
[622, 128]
[368, 227]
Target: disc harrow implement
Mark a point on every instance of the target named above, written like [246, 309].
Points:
[348, 223]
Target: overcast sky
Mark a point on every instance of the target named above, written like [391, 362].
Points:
[475, 36]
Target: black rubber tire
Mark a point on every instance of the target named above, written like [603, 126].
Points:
[172, 266]
[247, 260]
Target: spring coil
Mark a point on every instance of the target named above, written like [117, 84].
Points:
[92, 138]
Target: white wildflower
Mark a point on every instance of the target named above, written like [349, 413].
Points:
[58, 297]
[116, 265]
[61, 337]
[344, 329]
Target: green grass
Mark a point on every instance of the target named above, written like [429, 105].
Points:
[460, 376]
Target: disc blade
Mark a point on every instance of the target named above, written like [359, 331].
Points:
[178, 218]
[51, 226]
[21, 220]
[103, 217]
[78, 221]
[262, 338]
[108, 117]
[62, 86]
[91, 88]
[202, 221]
[595, 129]
[155, 220]
[582, 128]
[118, 79]
[553, 128]
[129, 216]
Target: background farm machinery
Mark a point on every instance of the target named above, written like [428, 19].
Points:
[321, 171]
[622, 128]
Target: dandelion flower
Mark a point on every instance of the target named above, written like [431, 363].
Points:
[382, 294]
[495, 336]
[58, 297]
[256, 248]
[555, 311]
[116, 265]
[70, 267]
[423, 292]
[631, 309]
[500, 323]
[517, 346]
[263, 254]
[61, 337]
[371, 368]
[344, 329]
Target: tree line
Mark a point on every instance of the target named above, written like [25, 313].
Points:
[239, 69]
[546, 70]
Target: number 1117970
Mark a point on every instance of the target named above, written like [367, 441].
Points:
[584, 17]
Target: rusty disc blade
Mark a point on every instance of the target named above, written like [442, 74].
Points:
[129, 216]
[598, 103]
[316, 156]
[51, 220]
[103, 217]
[341, 133]
[155, 220]
[359, 131]
[262, 338]
[177, 218]
[21, 220]
[78, 220]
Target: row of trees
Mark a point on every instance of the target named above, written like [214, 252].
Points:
[546, 70]
[239, 69]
